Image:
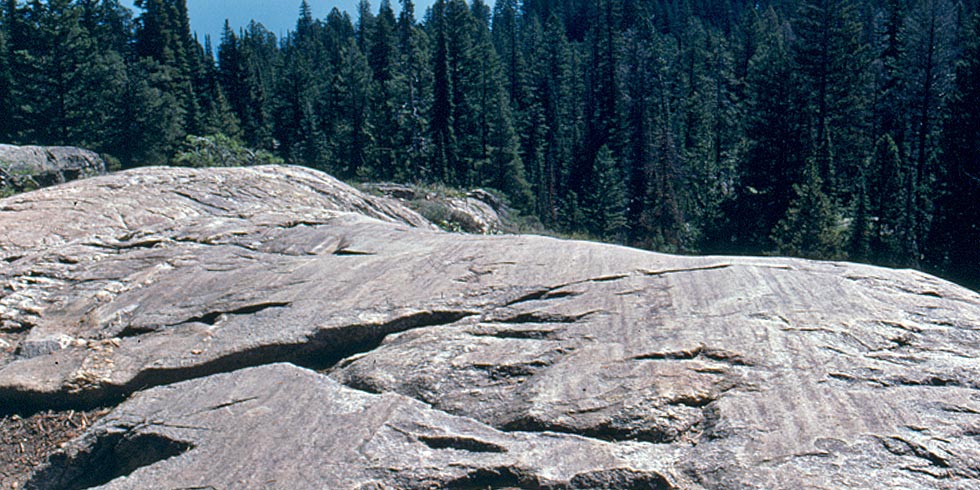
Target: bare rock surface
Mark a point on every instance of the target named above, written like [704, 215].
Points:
[32, 167]
[478, 211]
[272, 327]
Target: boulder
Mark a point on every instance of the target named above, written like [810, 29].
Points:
[478, 211]
[32, 167]
[272, 326]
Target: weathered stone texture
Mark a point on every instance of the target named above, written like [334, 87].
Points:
[273, 325]
[33, 167]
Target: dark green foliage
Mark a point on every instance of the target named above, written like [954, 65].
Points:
[775, 135]
[607, 213]
[886, 194]
[953, 243]
[218, 150]
[811, 226]
[831, 62]
[6, 82]
[806, 127]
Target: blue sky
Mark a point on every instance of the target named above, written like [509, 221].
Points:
[208, 16]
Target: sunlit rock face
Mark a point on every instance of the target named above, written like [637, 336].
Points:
[32, 167]
[273, 327]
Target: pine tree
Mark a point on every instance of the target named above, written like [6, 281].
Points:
[163, 35]
[859, 246]
[607, 216]
[776, 140]
[709, 127]
[231, 72]
[832, 61]
[810, 227]
[888, 100]
[926, 69]
[954, 237]
[299, 126]
[217, 115]
[888, 245]
[412, 98]
[260, 60]
[353, 137]
[6, 84]
[547, 120]
[508, 45]
[365, 25]
[152, 117]
[441, 124]
[602, 103]
[640, 93]
[67, 88]
[385, 85]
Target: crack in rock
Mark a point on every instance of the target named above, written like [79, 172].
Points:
[110, 456]
[701, 351]
[323, 350]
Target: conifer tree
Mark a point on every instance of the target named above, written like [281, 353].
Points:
[260, 58]
[441, 123]
[152, 115]
[163, 36]
[299, 127]
[888, 244]
[507, 42]
[602, 103]
[776, 139]
[353, 138]
[365, 25]
[956, 232]
[640, 92]
[833, 65]
[412, 97]
[859, 245]
[231, 71]
[385, 86]
[607, 216]
[548, 121]
[926, 69]
[810, 227]
[6, 85]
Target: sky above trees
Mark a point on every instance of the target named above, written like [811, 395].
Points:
[278, 16]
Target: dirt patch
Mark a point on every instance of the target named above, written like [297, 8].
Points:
[26, 442]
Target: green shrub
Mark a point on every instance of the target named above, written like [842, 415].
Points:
[218, 150]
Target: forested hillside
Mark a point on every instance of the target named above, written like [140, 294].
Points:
[817, 128]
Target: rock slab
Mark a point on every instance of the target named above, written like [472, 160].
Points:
[32, 167]
[273, 327]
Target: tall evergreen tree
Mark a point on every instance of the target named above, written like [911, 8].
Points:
[412, 97]
[260, 59]
[352, 139]
[385, 86]
[6, 84]
[810, 227]
[776, 137]
[926, 65]
[602, 102]
[953, 243]
[886, 179]
[607, 217]
[833, 64]
[548, 118]
[441, 123]
[507, 41]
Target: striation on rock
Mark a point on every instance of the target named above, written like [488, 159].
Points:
[276, 323]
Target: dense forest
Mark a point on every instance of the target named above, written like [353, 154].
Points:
[838, 129]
